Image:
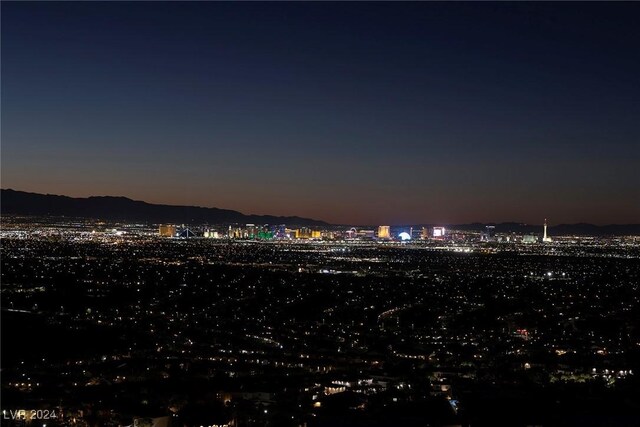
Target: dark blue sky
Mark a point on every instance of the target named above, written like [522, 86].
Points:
[353, 113]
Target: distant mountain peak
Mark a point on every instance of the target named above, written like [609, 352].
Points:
[122, 208]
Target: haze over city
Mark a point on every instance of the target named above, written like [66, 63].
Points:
[359, 113]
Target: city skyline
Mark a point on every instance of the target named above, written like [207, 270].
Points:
[20, 203]
[393, 113]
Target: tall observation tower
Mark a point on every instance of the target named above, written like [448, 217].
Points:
[545, 238]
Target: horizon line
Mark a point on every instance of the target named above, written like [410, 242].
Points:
[426, 223]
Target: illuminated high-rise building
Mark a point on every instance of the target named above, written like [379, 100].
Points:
[489, 234]
[301, 233]
[438, 232]
[545, 237]
[384, 232]
[208, 234]
[280, 231]
[415, 233]
[167, 230]
[424, 235]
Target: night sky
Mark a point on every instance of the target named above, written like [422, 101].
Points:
[362, 113]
